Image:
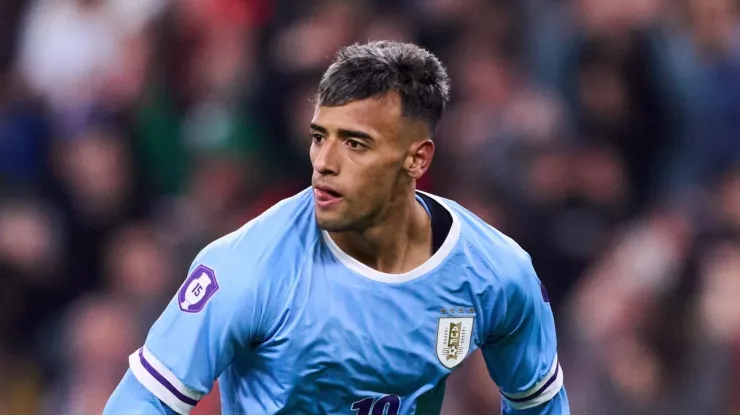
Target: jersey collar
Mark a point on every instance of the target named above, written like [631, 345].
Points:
[432, 263]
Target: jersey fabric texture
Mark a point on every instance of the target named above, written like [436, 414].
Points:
[289, 323]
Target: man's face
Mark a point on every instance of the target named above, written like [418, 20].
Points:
[357, 154]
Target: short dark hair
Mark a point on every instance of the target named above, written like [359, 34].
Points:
[378, 68]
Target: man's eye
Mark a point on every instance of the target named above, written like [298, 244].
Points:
[354, 144]
[316, 137]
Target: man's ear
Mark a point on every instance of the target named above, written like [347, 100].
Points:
[419, 158]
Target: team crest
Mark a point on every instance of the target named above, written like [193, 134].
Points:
[453, 338]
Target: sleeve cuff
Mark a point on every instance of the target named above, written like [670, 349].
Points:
[547, 388]
[161, 382]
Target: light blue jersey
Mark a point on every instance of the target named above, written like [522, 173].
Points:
[288, 323]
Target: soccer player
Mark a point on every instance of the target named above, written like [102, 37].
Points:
[359, 295]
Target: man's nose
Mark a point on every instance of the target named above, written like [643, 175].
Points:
[326, 161]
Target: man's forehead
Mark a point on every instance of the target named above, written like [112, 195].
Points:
[378, 113]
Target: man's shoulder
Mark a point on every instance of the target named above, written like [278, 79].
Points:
[278, 237]
[497, 261]
[255, 264]
[496, 255]
[291, 218]
[483, 237]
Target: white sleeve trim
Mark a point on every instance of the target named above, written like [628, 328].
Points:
[161, 382]
[547, 388]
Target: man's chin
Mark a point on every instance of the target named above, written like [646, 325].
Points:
[332, 225]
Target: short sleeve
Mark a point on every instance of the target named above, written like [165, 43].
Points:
[214, 314]
[521, 349]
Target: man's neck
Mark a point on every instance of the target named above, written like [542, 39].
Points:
[399, 243]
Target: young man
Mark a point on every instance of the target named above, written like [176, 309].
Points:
[359, 295]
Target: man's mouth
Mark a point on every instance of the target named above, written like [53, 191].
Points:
[326, 196]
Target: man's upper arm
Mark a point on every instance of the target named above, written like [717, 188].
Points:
[214, 314]
[521, 350]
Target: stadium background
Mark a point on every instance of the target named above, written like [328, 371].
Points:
[603, 135]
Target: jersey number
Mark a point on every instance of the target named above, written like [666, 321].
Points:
[386, 405]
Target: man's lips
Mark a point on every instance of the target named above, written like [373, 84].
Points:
[326, 196]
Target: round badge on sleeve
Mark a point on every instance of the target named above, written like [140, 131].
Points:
[199, 287]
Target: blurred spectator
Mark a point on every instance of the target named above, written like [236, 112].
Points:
[306, 45]
[716, 42]
[140, 270]
[95, 173]
[69, 50]
[99, 334]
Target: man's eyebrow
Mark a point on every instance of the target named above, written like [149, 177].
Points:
[355, 134]
[318, 128]
[344, 133]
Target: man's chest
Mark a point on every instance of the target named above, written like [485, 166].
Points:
[355, 345]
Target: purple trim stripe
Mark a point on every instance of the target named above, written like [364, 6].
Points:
[538, 392]
[163, 381]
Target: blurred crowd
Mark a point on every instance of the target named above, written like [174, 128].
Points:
[604, 136]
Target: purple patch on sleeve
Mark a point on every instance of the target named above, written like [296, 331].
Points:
[197, 289]
[545, 296]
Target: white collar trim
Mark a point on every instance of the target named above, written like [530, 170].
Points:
[437, 258]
